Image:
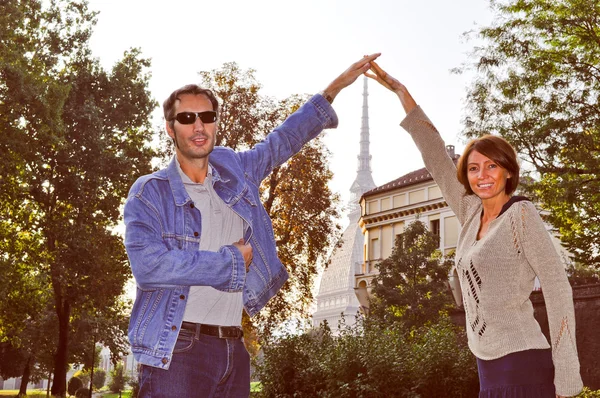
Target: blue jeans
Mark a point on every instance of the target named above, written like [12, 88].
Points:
[523, 374]
[202, 366]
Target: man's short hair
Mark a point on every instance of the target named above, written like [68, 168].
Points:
[169, 104]
[498, 150]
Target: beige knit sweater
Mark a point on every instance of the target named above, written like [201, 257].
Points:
[497, 272]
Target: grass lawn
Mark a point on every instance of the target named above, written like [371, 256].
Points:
[42, 394]
[124, 394]
[30, 393]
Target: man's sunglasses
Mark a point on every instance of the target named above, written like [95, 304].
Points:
[190, 117]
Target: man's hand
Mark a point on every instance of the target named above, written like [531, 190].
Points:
[350, 75]
[246, 250]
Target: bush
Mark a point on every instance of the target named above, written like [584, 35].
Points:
[135, 386]
[441, 363]
[73, 385]
[370, 359]
[83, 376]
[118, 379]
[587, 393]
[82, 393]
[99, 378]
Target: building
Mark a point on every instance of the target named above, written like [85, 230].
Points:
[336, 294]
[388, 209]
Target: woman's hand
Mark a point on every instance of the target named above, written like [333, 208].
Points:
[392, 84]
[350, 75]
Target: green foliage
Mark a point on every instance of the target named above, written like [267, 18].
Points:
[370, 359]
[84, 376]
[73, 385]
[411, 286]
[135, 387]
[296, 195]
[538, 86]
[12, 361]
[118, 378]
[82, 393]
[587, 393]
[99, 378]
[583, 274]
[123, 394]
[73, 138]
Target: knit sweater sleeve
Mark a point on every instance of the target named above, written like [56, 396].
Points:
[438, 162]
[547, 265]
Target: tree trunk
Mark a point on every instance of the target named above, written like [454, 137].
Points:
[48, 386]
[25, 378]
[59, 384]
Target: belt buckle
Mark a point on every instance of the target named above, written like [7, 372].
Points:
[221, 333]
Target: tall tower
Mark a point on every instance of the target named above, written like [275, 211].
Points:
[336, 291]
[364, 180]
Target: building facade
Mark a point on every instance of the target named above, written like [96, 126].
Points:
[336, 298]
[388, 209]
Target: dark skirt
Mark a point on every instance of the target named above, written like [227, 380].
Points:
[524, 374]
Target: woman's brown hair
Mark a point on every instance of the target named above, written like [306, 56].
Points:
[498, 150]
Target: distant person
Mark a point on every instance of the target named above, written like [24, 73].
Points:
[502, 247]
[201, 245]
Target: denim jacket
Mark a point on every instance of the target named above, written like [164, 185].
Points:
[163, 230]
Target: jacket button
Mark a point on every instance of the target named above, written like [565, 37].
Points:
[164, 361]
[192, 205]
[173, 327]
[196, 234]
[182, 297]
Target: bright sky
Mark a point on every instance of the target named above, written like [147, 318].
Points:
[299, 47]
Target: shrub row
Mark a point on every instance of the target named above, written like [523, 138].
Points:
[370, 360]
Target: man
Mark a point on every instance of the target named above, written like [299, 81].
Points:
[201, 245]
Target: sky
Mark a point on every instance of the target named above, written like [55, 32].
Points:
[299, 47]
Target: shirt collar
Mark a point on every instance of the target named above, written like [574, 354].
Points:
[187, 180]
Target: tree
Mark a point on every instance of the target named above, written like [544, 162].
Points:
[99, 378]
[538, 85]
[73, 385]
[84, 376]
[74, 138]
[411, 285]
[296, 195]
[118, 379]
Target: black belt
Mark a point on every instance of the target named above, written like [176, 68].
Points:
[222, 332]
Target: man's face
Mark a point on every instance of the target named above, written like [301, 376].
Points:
[196, 140]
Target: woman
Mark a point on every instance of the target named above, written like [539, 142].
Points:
[502, 247]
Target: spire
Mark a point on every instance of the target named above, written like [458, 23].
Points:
[364, 179]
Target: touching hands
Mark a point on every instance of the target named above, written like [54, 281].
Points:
[246, 251]
[350, 75]
[392, 84]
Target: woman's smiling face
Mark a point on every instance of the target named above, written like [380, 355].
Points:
[486, 178]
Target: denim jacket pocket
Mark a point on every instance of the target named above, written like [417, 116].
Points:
[148, 305]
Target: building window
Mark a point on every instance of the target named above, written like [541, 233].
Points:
[434, 227]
